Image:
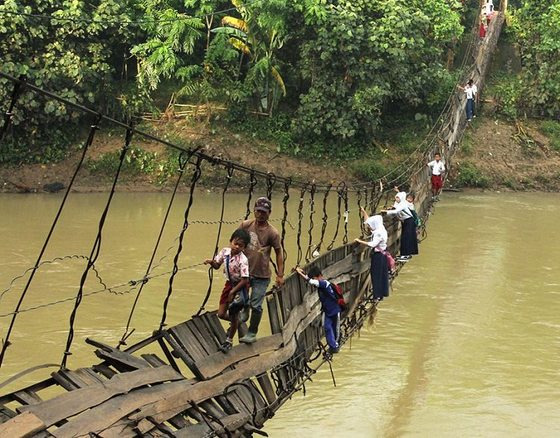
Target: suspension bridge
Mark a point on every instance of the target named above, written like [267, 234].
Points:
[176, 382]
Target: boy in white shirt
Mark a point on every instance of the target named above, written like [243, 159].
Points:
[438, 169]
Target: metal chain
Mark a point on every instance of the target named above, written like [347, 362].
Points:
[338, 216]
[325, 221]
[216, 247]
[96, 248]
[346, 215]
[308, 253]
[183, 160]
[285, 217]
[194, 179]
[300, 218]
[89, 141]
[270, 182]
[252, 183]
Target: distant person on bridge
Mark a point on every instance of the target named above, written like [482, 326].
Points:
[264, 238]
[235, 294]
[329, 305]
[438, 169]
[409, 240]
[379, 270]
[470, 91]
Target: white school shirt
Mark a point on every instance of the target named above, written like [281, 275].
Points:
[437, 167]
[469, 92]
[474, 89]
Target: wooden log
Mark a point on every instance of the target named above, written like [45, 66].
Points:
[66, 405]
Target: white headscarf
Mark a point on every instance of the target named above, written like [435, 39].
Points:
[378, 229]
[402, 200]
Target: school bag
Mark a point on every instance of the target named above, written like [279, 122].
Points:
[417, 219]
[339, 294]
[391, 264]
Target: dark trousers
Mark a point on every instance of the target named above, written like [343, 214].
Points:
[331, 325]
[470, 109]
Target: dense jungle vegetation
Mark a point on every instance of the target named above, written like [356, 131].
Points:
[318, 77]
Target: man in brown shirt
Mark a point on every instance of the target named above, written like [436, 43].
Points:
[264, 238]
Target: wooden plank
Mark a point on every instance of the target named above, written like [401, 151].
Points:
[180, 351]
[272, 304]
[188, 341]
[214, 322]
[214, 364]
[230, 422]
[6, 414]
[104, 370]
[153, 359]
[74, 402]
[204, 339]
[27, 397]
[206, 334]
[63, 381]
[179, 399]
[121, 360]
[267, 388]
[21, 426]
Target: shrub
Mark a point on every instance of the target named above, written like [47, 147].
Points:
[551, 129]
[470, 176]
[368, 170]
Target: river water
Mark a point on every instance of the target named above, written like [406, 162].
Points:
[468, 344]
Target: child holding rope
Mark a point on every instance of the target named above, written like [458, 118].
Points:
[329, 305]
[236, 270]
[379, 263]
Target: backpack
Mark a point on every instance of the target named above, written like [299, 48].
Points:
[339, 294]
[417, 219]
[390, 261]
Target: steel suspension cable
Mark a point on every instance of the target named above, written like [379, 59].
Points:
[9, 114]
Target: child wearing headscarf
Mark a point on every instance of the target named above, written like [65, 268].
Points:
[379, 270]
[409, 240]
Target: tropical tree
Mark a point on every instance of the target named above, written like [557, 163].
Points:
[536, 26]
[368, 54]
[75, 49]
[258, 35]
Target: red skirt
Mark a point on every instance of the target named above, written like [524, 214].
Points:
[437, 182]
[224, 297]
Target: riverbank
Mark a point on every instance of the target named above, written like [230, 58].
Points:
[500, 155]
[495, 154]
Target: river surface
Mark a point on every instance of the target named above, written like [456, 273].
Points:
[468, 344]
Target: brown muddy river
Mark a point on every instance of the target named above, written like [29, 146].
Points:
[468, 344]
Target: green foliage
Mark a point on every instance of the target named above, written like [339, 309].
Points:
[507, 91]
[368, 54]
[368, 170]
[536, 25]
[551, 129]
[75, 58]
[470, 176]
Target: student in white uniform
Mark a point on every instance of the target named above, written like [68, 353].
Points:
[438, 169]
[409, 241]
